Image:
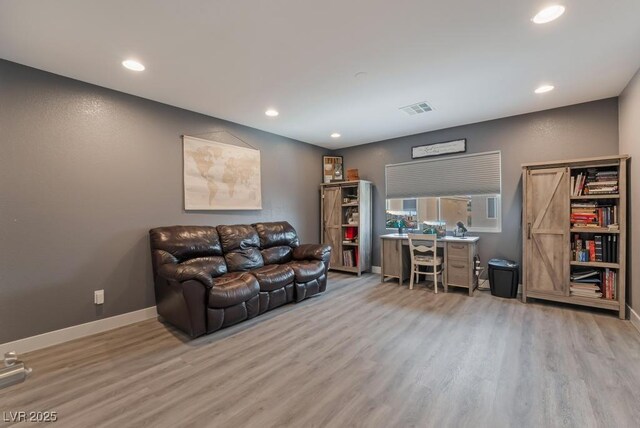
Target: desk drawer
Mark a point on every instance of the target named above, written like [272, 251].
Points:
[458, 272]
[458, 251]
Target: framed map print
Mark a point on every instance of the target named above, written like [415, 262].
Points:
[220, 176]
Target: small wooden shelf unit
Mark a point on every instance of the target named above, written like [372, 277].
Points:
[548, 234]
[346, 224]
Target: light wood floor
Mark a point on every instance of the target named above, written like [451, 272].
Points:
[362, 354]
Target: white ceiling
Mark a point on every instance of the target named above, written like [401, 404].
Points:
[472, 60]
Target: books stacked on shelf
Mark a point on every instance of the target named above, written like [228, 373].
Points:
[586, 283]
[586, 290]
[593, 214]
[599, 249]
[594, 283]
[601, 182]
[595, 182]
[349, 258]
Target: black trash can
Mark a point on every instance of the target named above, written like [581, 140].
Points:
[503, 278]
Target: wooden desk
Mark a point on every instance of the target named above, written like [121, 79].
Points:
[459, 255]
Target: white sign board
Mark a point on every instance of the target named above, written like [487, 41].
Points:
[436, 149]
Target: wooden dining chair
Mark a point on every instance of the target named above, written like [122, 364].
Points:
[424, 252]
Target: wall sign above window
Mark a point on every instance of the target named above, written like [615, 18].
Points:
[437, 149]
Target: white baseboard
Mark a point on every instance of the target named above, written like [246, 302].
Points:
[634, 318]
[56, 337]
[376, 269]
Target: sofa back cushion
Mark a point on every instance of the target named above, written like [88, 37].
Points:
[277, 240]
[277, 255]
[212, 265]
[241, 247]
[186, 242]
[276, 234]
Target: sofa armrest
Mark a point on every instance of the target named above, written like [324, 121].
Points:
[313, 252]
[182, 273]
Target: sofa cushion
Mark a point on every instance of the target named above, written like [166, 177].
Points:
[277, 255]
[232, 289]
[186, 242]
[279, 233]
[213, 265]
[273, 277]
[241, 247]
[307, 270]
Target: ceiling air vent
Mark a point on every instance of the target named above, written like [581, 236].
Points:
[417, 108]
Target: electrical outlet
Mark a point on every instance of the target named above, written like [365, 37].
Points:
[98, 297]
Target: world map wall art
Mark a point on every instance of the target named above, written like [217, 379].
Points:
[220, 176]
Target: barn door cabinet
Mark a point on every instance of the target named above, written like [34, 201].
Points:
[346, 224]
[575, 223]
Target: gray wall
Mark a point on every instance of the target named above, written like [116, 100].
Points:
[85, 172]
[630, 144]
[589, 129]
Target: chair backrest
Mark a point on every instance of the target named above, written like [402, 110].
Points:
[423, 244]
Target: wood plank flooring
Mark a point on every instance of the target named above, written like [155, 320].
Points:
[362, 354]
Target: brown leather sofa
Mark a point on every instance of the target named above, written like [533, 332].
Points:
[207, 278]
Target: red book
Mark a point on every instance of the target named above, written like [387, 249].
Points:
[592, 251]
[600, 216]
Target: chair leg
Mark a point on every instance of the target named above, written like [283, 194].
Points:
[411, 279]
[435, 281]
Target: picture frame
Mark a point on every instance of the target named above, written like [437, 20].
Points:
[439, 149]
[332, 169]
[219, 176]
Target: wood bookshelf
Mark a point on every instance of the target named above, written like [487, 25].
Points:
[340, 201]
[594, 230]
[548, 256]
[587, 197]
[596, 264]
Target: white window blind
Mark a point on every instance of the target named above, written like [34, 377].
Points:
[476, 174]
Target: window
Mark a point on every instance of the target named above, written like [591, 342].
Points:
[453, 189]
[491, 208]
[479, 213]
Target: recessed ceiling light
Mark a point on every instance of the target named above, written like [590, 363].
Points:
[335, 135]
[544, 88]
[548, 14]
[271, 112]
[133, 65]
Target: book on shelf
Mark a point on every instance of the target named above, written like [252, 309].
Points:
[579, 275]
[586, 290]
[594, 214]
[595, 182]
[594, 283]
[602, 248]
[350, 258]
[583, 250]
[586, 283]
[594, 294]
[597, 243]
[610, 280]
